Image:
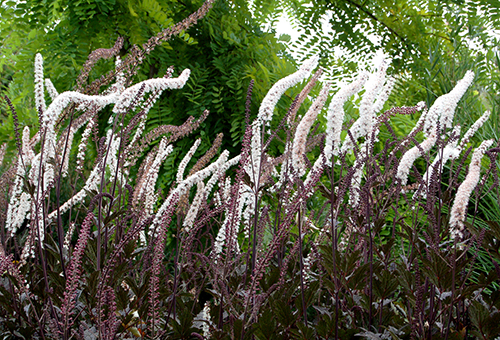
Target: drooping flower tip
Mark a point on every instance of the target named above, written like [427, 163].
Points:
[310, 64]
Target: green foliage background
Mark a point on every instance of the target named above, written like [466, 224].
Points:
[429, 43]
[224, 51]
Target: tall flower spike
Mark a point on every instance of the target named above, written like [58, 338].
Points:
[472, 130]
[271, 99]
[39, 91]
[195, 206]
[150, 85]
[186, 184]
[442, 110]
[364, 124]
[51, 89]
[411, 155]
[299, 142]
[186, 159]
[147, 191]
[335, 114]
[450, 151]
[459, 209]
[3, 148]
[266, 111]
[444, 107]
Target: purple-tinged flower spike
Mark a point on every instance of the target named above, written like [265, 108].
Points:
[51, 89]
[74, 271]
[444, 107]
[39, 90]
[419, 107]
[459, 208]
[299, 142]
[335, 114]
[364, 124]
[186, 159]
[158, 254]
[472, 130]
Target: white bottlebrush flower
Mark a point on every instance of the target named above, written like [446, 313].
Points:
[274, 94]
[335, 114]
[39, 90]
[364, 124]
[82, 147]
[472, 130]
[233, 217]
[3, 148]
[125, 99]
[186, 184]
[147, 189]
[444, 107]
[384, 95]
[222, 169]
[20, 202]
[28, 153]
[120, 78]
[94, 179]
[459, 208]
[194, 207]
[450, 151]
[266, 111]
[354, 189]
[69, 235]
[67, 147]
[51, 89]
[317, 167]
[299, 142]
[146, 106]
[186, 159]
[411, 156]
[203, 320]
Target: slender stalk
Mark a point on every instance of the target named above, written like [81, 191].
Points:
[60, 230]
[301, 264]
[453, 273]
